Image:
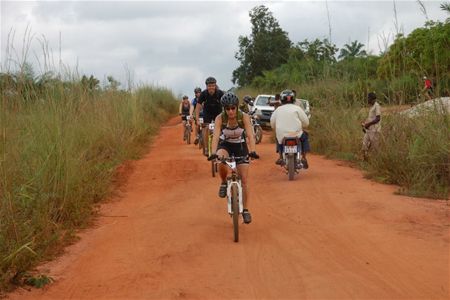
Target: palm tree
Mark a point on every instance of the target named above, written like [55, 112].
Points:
[352, 50]
[446, 7]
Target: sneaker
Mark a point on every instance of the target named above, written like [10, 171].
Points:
[223, 190]
[247, 216]
[279, 161]
[196, 142]
[304, 163]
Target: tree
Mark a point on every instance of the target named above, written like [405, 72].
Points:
[318, 51]
[90, 83]
[446, 7]
[353, 50]
[265, 49]
[113, 83]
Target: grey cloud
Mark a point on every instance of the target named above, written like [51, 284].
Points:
[178, 44]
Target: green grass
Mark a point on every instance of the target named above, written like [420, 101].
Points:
[413, 152]
[59, 149]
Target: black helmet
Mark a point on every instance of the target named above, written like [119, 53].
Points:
[185, 97]
[247, 99]
[229, 99]
[197, 90]
[371, 96]
[286, 95]
[210, 80]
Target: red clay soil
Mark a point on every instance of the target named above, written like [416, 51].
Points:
[329, 234]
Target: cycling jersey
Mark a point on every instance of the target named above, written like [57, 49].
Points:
[211, 104]
[233, 140]
[194, 103]
[185, 108]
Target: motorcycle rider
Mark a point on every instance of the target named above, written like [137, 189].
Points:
[232, 127]
[210, 100]
[288, 120]
[244, 106]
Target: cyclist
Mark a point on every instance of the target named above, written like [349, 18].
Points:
[231, 128]
[185, 110]
[210, 100]
[289, 120]
[197, 92]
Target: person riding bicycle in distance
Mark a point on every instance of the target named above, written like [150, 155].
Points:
[184, 109]
[232, 127]
[197, 92]
[210, 101]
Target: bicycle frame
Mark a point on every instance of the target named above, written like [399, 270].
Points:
[233, 180]
[210, 137]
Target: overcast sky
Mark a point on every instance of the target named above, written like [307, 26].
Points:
[179, 44]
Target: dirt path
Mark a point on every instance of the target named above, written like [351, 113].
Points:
[330, 234]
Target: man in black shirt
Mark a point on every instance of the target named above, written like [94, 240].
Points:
[210, 101]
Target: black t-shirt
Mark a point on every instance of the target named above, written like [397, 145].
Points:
[211, 103]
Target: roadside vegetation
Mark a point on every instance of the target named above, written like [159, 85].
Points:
[414, 151]
[61, 140]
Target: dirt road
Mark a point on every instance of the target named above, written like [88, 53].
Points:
[330, 234]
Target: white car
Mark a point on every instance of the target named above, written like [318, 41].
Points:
[262, 108]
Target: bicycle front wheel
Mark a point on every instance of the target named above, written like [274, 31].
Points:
[235, 209]
[188, 137]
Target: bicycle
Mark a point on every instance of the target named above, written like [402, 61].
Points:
[257, 130]
[210, 152]
[199, 133]
[234, 192]
[187, 130]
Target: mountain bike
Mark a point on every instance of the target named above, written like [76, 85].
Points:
[257, 130]
[199, 133]
[210, 138]
[234, 192]
[187, 130]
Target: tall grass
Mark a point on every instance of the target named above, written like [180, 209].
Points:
[414, 152]
[59, 147]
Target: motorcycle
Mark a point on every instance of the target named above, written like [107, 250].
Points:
[291, 156]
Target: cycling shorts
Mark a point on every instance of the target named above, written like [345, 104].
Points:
[235, 149]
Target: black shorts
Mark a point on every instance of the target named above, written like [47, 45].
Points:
[207, 118]
[235, 149]
[183, 117]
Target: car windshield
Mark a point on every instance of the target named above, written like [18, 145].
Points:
[263, 100]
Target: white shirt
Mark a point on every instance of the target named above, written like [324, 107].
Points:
[288, 120]
[374, 111]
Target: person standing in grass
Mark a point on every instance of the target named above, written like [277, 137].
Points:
[428, 88]
[372, 125]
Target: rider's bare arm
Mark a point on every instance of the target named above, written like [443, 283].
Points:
[197, 112]
[217, 131]
[249, 132]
